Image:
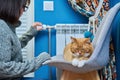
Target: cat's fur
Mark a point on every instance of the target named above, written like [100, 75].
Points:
[80, 48]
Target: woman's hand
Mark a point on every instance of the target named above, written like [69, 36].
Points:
[37, 25]
[41, 58]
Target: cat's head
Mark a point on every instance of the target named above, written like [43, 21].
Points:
[81, 47]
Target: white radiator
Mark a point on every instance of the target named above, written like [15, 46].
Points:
[65, 31]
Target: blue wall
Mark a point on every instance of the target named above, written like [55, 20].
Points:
[63, 13]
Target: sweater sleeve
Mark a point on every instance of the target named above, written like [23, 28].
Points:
[17, 69]
[5, 46]
[10, 68]
[27, 36]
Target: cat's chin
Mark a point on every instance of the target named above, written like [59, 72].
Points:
[75, 55]
[78, 63]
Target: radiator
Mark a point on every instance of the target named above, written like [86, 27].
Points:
[65, 31]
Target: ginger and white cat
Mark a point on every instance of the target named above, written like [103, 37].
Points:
[79, 49]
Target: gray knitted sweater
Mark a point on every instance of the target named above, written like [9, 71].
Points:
[11, 64]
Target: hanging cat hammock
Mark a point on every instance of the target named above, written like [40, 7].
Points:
[100, 55]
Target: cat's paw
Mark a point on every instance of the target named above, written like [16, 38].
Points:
[75, 62]
[81, 63]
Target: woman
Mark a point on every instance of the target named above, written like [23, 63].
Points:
[12, 67]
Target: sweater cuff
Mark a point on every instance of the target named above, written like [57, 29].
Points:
[33, 31]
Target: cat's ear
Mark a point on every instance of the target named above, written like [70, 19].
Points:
[87, 40]
[73, 39]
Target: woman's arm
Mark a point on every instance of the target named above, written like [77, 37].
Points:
[10, 68]
[17, 69]
[30, 33]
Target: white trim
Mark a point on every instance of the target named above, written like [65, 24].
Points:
[27, 19]
[30, 46]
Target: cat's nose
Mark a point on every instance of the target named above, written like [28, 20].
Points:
[80, 52]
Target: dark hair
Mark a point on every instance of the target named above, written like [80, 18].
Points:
[10, 9]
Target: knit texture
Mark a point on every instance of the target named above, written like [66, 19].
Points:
[11, 64]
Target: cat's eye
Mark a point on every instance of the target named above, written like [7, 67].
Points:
[82, 49]
[88, 42]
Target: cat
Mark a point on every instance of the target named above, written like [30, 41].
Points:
[79, 48]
